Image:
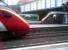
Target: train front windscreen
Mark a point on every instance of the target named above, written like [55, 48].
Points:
[56, 19]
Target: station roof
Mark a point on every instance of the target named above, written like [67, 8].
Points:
[15, 2]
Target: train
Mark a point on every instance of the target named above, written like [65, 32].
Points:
[14, 24]
[55, 17]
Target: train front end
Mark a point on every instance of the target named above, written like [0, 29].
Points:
[12, 22]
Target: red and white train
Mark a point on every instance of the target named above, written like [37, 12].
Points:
[12, 22]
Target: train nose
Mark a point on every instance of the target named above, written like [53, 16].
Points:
[23, 31]
[14, 23]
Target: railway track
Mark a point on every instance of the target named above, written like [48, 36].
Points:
[39, 37]
[47, 32]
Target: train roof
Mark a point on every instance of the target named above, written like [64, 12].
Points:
[60, 12]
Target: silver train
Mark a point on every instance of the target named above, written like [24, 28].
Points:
[55, 17]
[54, 20]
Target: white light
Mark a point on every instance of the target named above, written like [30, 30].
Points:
[54, 16]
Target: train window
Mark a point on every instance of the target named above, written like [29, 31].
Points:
[6, 14]
[66, 19]
[58, 18]
[54, 19]
[49, 20]
[61, 19]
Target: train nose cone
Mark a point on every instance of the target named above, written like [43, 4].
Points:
[23, 30]
[13, 22]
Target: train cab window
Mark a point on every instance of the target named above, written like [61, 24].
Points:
[58, 18]
[54, 19]
[6, 14]
[49, 20]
